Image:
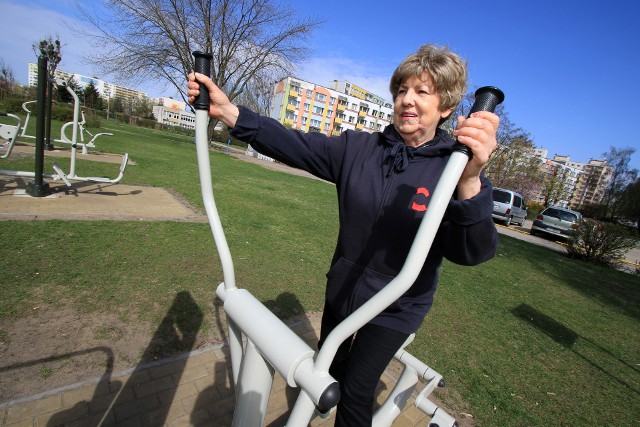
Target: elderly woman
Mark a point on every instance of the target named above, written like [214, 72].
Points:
[383, 182]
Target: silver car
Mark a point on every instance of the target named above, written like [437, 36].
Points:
[556, 221]
[508, 207]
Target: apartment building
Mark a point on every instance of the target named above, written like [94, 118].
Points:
[576, 184]
[558, 182]
[592, 185]
[105, 89]
[330, 110]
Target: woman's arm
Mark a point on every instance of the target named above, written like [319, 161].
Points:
[219, 105]
[467, 234]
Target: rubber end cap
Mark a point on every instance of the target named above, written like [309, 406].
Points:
[330, 398]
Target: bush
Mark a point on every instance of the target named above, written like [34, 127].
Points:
[62, 112]
[593, 210]
[92, 119]
[13, 106]
[534, 208]
[222, 136]
[600, 243]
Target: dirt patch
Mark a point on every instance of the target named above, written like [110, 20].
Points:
[57, 346]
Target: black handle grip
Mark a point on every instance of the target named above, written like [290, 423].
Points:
[487, 98]
[203, 66]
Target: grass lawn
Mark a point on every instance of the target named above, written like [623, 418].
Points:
[530, 338]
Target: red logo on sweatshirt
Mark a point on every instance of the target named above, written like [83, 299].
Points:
[420, 207]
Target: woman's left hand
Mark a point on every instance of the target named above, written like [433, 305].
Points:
[478, 132]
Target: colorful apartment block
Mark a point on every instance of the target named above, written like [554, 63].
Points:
[331, 110]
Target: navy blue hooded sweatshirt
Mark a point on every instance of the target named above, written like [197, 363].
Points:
[383, 188]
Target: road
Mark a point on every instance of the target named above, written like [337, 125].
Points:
[631, 261]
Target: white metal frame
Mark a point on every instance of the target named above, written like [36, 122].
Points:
[63, 137]
[76, 127]
[9, 133]
[272, 346]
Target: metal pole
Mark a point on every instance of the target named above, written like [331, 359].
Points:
[38, 187]
[48, 145]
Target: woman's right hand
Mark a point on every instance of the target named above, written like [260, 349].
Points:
[219, 105]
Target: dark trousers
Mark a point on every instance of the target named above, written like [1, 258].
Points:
[357, 366]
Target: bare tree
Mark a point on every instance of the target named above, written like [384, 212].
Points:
[259, 92]
[7, 80]
[629, 203]
[553, 186]
[622, 175]
[513, 165]
[154, 39]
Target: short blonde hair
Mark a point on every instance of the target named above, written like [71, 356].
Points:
[447, 70]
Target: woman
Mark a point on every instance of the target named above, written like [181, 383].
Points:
[383, 182]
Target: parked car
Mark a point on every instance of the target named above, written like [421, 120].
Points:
[556, 221]
[508, 207]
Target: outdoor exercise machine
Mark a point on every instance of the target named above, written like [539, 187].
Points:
[76, 129]
[9, 133]
[261, 344]
[75, 124]
[63, 136]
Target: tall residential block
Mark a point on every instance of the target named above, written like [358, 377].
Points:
[106, 90]
[331, 110]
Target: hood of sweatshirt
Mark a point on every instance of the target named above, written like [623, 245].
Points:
[400, 154]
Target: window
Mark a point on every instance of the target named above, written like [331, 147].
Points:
[501, 196]
[517, 201]
[320, 97]
[309, 92]
[306, 106]
[318, 110]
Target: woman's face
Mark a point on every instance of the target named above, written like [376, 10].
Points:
[416, 111]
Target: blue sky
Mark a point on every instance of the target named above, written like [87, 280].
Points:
[569, 69]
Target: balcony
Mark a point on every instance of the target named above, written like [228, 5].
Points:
[291, 107]
[359, 126]
[293, 93]
[337, 120]
[362, 114]
[340, 107]
[288, 122]
[335, 133]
